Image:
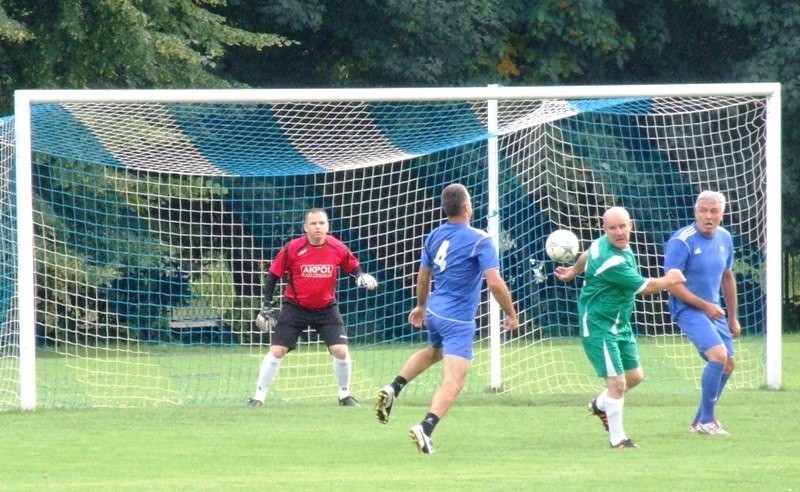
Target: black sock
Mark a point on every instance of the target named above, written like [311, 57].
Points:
[398, 384]
[428, 423]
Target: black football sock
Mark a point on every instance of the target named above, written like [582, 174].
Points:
[429, 423]
[398, 384]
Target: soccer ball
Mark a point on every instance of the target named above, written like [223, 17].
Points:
[562, 246]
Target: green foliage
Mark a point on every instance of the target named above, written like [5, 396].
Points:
[375, 43]
[417, 42]
[770, 29]
[552, 42]
[137, 252]
[71, 281]
[119, 44]
[212, 293]
[214, 43]
[11, 30]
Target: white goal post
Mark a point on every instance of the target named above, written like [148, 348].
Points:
[126, 202]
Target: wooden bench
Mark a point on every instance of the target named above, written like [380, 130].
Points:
[205, 331]
[184, 323]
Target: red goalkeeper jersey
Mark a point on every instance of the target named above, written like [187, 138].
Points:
[311, 271]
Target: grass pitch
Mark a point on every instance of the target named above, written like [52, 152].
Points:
[485, 443]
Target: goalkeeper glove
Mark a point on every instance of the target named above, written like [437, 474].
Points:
[266, 319]
[367, 280]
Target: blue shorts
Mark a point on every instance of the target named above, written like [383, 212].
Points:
[453, 337]
[704, 332]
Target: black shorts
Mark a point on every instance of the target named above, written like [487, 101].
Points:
[294, 320]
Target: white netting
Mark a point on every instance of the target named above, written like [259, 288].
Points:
[154, 223]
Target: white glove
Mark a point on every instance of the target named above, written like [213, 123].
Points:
[367, 280]
[266, 320]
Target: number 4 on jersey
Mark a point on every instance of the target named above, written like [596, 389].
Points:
[441, 256]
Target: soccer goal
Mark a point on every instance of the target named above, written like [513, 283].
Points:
[136, 227]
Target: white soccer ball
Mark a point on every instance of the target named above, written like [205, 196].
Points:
[562, 246]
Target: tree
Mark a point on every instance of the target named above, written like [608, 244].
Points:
[342, 43]
[426, 43]
[771, 28]
[725, 41]
[373, 43]
[563, 41]
[113, 44]
[117, 44]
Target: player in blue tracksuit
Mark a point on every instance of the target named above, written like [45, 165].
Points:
[455, 259]
[703, 251]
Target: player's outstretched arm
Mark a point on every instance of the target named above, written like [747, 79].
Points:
[655, 285]
[568, 273]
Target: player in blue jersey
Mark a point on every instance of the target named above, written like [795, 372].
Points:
[703, 251]
[456, 258]
[605, 306]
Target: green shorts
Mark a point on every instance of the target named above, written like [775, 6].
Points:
[611, 354]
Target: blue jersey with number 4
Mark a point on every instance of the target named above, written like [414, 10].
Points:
[458, 254]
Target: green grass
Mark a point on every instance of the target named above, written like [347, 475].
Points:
[134, 375]
[485, 443]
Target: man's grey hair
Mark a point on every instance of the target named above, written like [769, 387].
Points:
[712, 195]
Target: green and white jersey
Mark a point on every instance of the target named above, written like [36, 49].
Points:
[612, 281]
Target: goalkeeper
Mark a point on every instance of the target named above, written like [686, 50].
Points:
[309, 265]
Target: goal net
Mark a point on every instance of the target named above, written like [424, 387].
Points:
[137, 227]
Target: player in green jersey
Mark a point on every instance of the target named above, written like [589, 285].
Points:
[605, 306]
